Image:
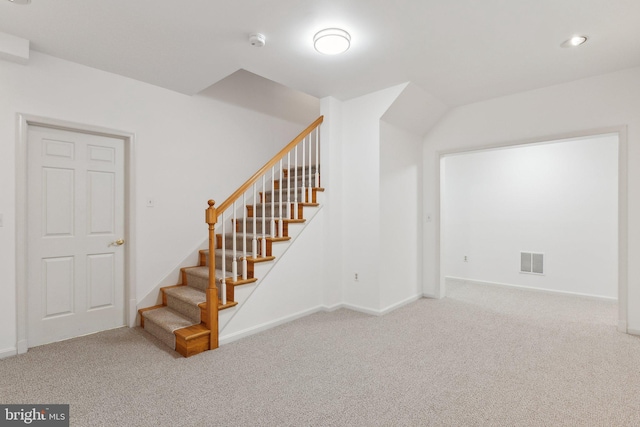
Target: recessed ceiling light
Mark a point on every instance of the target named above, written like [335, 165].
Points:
[332, 41]
[20, 1]
[574, 41]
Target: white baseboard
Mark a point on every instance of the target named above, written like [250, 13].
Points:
[362, 309]
[329, 308]
[633, 331]
[226, 339]
[23, 346]
[431, 296]
[402, 303]
[530, 288]
[383, 311]
[8, 352]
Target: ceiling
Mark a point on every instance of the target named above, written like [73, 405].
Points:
[459, 51]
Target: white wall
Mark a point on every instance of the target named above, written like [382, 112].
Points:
[544, 114]
[360, 189]
[331, 180]
[183, 148]
[293, 287]
[559, 199]
[400, 215]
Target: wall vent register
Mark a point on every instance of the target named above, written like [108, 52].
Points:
[531, 262]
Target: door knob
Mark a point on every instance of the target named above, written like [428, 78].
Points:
[118, 242]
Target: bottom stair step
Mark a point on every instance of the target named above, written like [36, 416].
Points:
[192, 340]
[163, 322]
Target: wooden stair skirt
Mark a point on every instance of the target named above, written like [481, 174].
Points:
[179, 321]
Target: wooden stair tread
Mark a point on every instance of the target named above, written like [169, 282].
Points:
[279, 239]
[241, 282]
[261, 259]
[192, 332]
[229, 304]
[142, 310]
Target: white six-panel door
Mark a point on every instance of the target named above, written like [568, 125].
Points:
[75, 253]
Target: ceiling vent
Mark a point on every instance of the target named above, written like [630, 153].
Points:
[531, 262]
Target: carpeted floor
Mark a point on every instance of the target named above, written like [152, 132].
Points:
[483, 356]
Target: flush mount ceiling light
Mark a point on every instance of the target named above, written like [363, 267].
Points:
[20, 1]
[574, 41]
[331, 41]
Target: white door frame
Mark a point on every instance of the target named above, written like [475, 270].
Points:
[623, 227]
[23, 123]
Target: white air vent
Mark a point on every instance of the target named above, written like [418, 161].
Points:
[531, 263]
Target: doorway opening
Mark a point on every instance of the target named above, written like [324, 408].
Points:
[563, 199]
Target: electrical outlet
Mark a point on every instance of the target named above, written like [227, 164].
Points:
[150, 202]
[466, 259]
[355, 277]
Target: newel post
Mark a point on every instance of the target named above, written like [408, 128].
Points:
[211, 217]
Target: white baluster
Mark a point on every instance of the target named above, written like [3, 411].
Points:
[223, 281]
[289, 185]
[244, 238]
[303, 190]
[317, 157]
[254, 242]
[310, 186]
[234, 262]
[295, 183]
[273, 202]
[280, 222]
[263, 242]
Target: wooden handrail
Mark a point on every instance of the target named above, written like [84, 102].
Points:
[264, 169]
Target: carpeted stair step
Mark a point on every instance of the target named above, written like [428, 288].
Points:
[163, 322]
[198, 277]
[204, 260]
[228, 261]
[186, 300]
[267, 223]
[291, 171]
[267, 196]
[292, 183]
[204, 256]
[228, 242]
[270, 211]
[249, 222]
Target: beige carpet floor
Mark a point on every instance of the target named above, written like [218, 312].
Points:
[483, 356]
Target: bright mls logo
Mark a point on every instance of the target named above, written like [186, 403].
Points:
[34, 415]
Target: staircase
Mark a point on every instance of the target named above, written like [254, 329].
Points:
[187, 319]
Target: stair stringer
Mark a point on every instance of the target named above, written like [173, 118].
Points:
[287, 289]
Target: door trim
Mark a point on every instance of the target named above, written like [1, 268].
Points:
[23, 123]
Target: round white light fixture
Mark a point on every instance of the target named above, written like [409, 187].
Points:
[332, 41]
[20, 1]
[574, 41]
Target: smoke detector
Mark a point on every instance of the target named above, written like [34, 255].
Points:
[257, 40]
